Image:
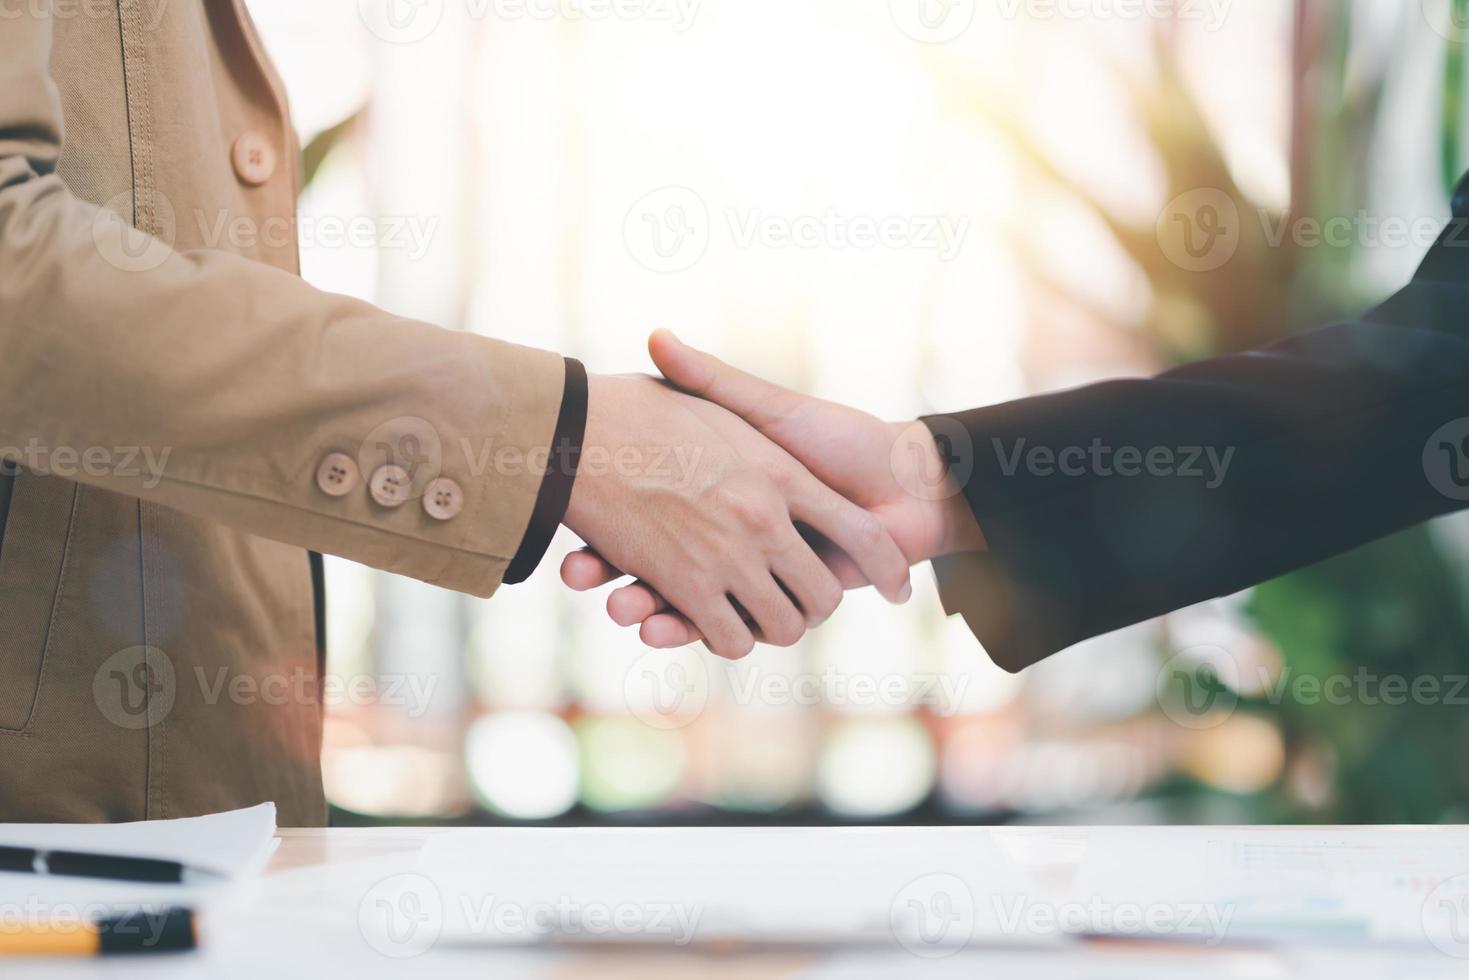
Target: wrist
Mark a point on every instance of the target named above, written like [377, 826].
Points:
[595, 438]
[949, 515]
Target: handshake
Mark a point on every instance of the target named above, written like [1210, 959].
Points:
[786, 501]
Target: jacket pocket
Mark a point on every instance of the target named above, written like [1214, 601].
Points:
[38, 513]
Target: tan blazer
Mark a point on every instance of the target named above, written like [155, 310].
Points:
[191, 417]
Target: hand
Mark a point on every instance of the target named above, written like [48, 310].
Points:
[702, 508]
[891, 469]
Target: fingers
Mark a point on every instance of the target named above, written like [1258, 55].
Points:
[756, 400]
[668, 630]
[775, 613]
[856, 532]
[584, 570]
[813, 586]
[724, 632]
[631, 604]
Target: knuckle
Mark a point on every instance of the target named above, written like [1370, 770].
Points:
[828, 598]
[750, 508]
[867, 531]
[785, 478]
[787, 632]
[733, 648]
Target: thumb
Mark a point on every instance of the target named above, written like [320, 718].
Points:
[760, 403]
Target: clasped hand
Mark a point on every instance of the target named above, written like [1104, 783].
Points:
[780, 503]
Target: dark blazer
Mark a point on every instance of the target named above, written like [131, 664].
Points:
[1116, 502]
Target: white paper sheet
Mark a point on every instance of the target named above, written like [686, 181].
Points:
[235, 845]
[1307, 884]
[928, 888]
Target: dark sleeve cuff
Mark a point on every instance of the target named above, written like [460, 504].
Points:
[561, 465]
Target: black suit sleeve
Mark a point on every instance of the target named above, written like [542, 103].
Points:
[1321, 443]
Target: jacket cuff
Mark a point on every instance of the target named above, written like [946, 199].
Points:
[1017, 626]
[560, 476]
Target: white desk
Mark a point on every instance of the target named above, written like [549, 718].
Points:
[301, 920]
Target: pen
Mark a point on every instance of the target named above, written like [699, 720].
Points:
[167, 931]
[83, 865]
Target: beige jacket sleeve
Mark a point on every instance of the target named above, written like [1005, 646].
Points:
[228, 382]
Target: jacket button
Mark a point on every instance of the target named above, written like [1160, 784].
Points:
[254, 158]
[443, 500]
[338, 475]
[390, 485]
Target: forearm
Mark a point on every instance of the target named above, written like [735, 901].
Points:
[1110, 504]
[217, 386]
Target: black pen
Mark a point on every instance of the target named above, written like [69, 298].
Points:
[79, 864]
